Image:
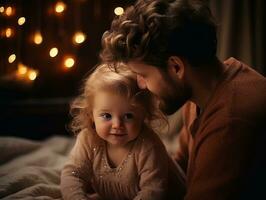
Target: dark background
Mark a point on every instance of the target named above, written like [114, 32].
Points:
[40, 108]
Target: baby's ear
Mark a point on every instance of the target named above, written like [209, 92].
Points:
[91, 119]
[93, 125]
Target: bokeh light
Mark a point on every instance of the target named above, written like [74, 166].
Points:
[119, 10]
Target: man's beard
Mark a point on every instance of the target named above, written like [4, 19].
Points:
[174, 97]
[174, 100]
[170, 106]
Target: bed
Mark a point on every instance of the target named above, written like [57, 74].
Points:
[30, 169]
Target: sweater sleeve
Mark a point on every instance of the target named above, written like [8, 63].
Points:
[222, 161]
[76, 174]
[152, 164]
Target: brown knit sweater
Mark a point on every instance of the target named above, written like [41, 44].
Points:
[223, 148]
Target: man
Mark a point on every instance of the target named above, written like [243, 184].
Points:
[171, 46]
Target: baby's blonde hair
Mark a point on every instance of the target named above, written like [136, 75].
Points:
[115, 78]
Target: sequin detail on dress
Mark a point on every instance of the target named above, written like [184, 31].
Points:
[116, 170]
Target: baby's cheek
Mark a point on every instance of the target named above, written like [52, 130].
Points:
[102, 130]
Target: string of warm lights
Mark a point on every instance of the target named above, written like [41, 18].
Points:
[27, 73]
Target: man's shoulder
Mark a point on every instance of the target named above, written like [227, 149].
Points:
[245, 93]
[242, 94]
[243, 76]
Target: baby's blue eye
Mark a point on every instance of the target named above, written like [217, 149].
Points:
[106, 116]
[128, 116]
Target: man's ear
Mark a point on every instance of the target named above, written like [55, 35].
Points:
[176, 66]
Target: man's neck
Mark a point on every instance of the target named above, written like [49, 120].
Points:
[204, 81]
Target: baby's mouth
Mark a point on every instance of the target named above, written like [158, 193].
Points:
[118, 134]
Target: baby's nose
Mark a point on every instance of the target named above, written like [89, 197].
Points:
[117, 123]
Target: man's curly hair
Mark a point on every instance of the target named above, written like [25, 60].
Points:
[153, 30]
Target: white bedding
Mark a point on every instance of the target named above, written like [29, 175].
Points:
[31, 169]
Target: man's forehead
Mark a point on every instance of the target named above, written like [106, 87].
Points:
[138, 66]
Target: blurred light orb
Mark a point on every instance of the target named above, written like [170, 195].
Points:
[53, 52]
[21, 21]
[12, 58]
[69, 62]
[79, 37]
[2, 9]
[118, 10]
[37, 38]
[9, 11]
[60, 7]
[32, 75]
[9, 32]
[22, 69]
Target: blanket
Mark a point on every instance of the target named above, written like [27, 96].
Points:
[31, 169]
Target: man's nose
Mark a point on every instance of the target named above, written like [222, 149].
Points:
[141, 82]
